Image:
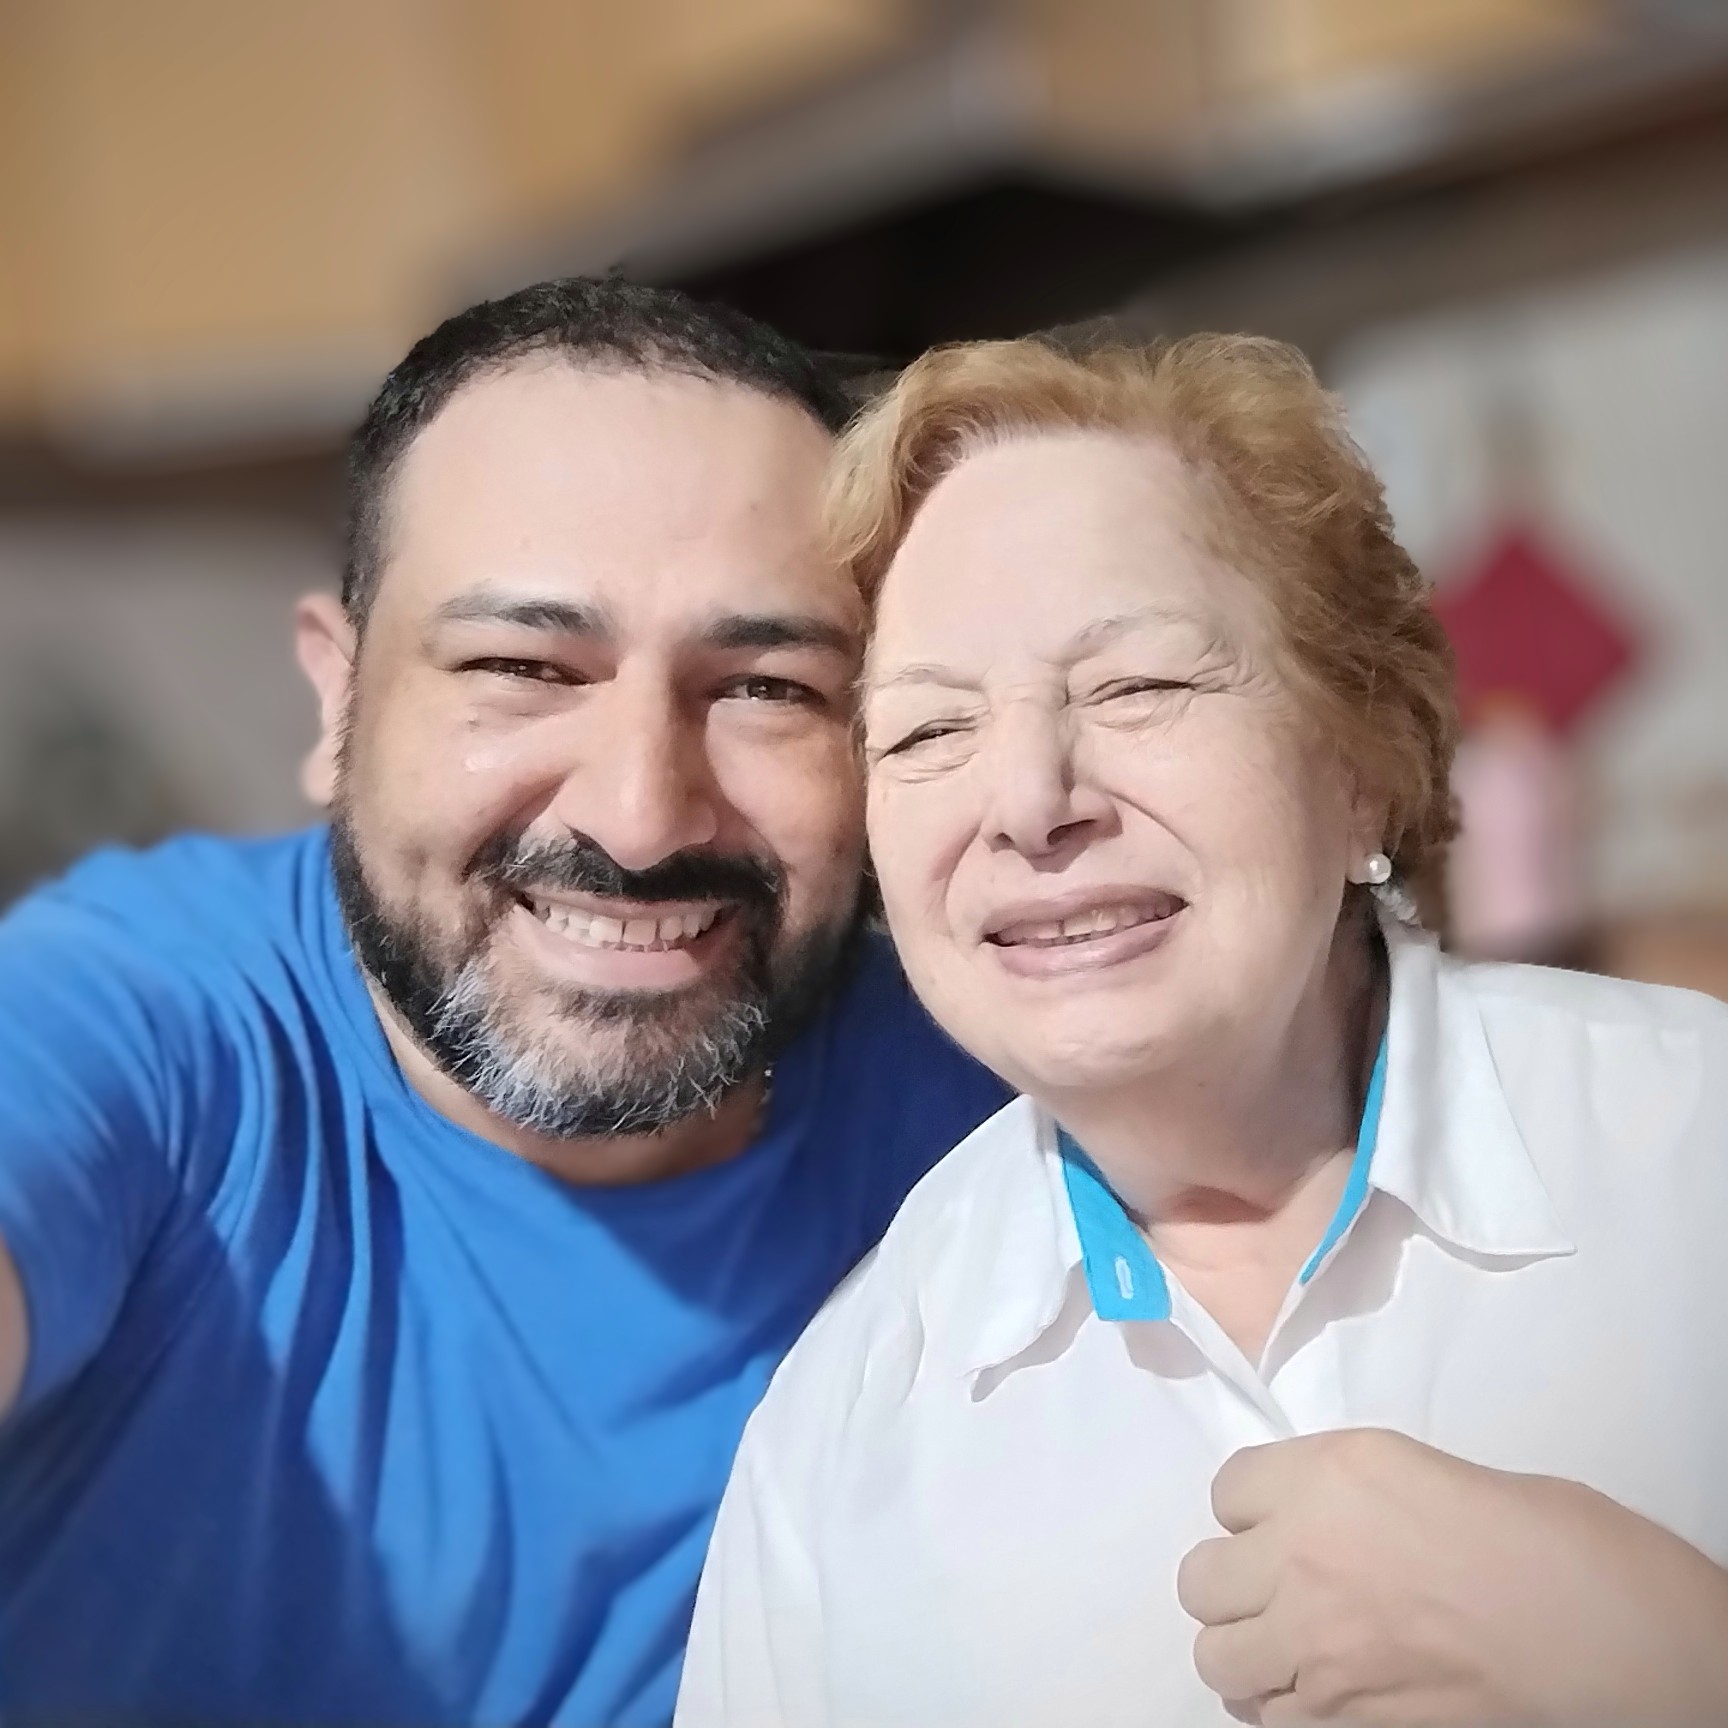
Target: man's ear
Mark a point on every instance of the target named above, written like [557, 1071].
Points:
[324, 646]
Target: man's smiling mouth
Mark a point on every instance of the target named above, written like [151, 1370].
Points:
[629, 930]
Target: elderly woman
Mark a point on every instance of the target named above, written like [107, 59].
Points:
[1364, 1307]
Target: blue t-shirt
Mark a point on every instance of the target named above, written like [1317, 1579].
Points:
[334, 1412]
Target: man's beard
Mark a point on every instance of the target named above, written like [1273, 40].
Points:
[671, 1055]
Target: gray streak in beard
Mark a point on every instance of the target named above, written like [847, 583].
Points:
[532, 1087]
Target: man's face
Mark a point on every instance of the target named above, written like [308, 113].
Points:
[598, 823]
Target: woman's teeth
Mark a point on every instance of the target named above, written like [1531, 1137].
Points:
[1100, 921]
[646, 935]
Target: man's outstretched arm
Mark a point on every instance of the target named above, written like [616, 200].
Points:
[14, 1339]
[99, 1041]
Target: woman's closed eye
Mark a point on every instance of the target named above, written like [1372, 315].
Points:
[921, 738]
[1120, 687]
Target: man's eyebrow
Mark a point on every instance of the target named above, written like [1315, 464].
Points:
[779, 630]
[527, 612]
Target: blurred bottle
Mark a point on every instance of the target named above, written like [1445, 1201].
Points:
[1515, 875]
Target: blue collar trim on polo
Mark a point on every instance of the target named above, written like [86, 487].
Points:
[1122, 1273]
[1356, 1183]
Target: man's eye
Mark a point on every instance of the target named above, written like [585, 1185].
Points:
[522, 671]
[763, 689]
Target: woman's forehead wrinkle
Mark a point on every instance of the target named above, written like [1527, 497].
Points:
[1209, 633]
[927, 673]
[1157, 615]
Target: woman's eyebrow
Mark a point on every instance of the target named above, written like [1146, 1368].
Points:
[1106, 630]
[1088, 640]
[921, 672]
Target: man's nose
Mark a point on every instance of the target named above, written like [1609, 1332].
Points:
[644, 788]
[1038, 799]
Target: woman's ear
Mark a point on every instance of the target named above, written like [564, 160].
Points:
[324, 646]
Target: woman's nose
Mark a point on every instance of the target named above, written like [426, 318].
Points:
[1039, 802]
[644, 788]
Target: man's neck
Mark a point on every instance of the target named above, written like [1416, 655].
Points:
[610, 1161]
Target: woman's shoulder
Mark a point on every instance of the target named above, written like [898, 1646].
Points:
[1619, 1088]
[1595, 996]
[874, 1336]
[1592, 999]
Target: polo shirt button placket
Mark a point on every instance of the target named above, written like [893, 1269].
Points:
[1251, 1412]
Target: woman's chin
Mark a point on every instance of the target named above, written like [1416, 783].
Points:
[1044, 1039]
[1079, 1059]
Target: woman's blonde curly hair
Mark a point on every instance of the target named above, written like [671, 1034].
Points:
[1288, 498]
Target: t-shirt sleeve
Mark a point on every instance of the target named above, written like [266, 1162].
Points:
[97, 1048]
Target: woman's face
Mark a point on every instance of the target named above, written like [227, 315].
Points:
[1106, 837]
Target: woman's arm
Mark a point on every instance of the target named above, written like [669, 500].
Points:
[1368, 1578]
[755, 1658]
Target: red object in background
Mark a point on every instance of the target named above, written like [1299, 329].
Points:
[1524, 626]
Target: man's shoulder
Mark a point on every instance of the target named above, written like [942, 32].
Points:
[881, 1028]
[892, 1092]
[1006, 1143]
[873, 996]
[874, 1335]
[192, 879]
[179, 936]
[195, 901]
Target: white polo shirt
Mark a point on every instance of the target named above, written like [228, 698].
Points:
[967, 1492]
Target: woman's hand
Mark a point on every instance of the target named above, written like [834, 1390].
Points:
[1368, 1578]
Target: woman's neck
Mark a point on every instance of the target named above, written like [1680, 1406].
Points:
[1233, 1160]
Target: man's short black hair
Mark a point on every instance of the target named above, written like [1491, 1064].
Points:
[599, 321]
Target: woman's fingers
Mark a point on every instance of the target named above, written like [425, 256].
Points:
[1244, 1659]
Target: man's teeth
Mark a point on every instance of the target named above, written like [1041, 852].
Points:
[1100, 921]
[650, 935]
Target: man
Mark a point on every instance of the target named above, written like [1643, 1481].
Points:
[401, 1220]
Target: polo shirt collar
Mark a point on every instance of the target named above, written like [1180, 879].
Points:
[1437, 1134]
[1020, 1250]
[1449, 1147]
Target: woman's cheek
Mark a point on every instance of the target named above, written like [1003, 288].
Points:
[898, 855]
[906, 824]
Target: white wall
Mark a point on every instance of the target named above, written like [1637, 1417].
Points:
[155, 657]
[1623, 382]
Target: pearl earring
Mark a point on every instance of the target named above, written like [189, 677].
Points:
[1376, 868]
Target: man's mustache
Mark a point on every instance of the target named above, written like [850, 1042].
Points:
[580, 866]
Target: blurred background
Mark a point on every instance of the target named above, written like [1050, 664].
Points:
[1500, 228]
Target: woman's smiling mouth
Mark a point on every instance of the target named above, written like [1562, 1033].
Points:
[1081, 933]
